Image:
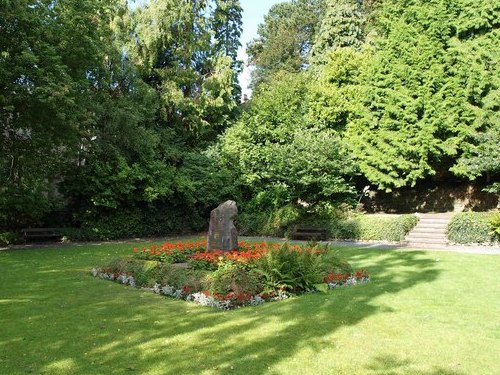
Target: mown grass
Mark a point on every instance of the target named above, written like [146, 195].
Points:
[423, 313]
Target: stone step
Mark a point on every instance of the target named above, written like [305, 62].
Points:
[435, 241]
[427, 239]
[430, 231]
[427, 230]
[433, 221]
[419, 245]
[426, 235]
[431, 227]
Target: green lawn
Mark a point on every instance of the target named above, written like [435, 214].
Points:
[423, 313]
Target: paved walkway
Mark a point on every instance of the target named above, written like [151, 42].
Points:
[359, 244]
[475, 249]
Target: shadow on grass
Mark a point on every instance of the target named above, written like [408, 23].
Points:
[77, 324]
[392, 365]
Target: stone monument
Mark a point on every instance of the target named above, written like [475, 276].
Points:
[222, 234]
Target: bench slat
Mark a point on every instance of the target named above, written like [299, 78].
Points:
[310, 233]
[41, 233]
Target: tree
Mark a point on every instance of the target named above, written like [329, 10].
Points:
[226, 23]
[342, 26]
[473, 54]
[334, 93]
[275, 151]
[51, 54]
[173, 49]
[285, 38]
[424, 94]
[137, 177]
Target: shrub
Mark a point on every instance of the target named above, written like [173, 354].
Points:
[495, 225]
[295, 270]
[8, 238]
[277, 223]
[147, 273]
[386, 228]
[186, 279]
[470, 227]
[79, 235]
[332, 263]
[371, 227]
[235, 278]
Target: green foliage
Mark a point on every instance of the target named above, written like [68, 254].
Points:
[51, 67]
[106, 113]
[482, 155]
[226, 23]
[149, 272]
[8, 238]
[279, 156]
[470, 228]
[334, 95]
[374, 227]
[182, 278]
[495, 225]
[342, 26]
[176, 56]
[285, 38]
[429, 92]
[235, 278]
[289, 269]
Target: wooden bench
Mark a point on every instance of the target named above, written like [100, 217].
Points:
[310, 233]
[41, 233]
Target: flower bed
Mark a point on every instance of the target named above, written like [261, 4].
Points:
[344, 279]
[205, 298]
[254, 274]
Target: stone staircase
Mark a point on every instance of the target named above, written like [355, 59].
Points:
[430, 231]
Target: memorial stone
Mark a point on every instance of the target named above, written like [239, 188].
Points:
[222, 234]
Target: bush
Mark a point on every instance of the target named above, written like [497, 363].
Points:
[386, 228]
[182, 278]
[370, 227]
[294, 270]
[79, 235]
[495, 225]
[235, 278]
[149, 272]
[471, 227]
[9, 238]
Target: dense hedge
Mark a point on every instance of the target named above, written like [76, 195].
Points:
[343, 225]
[373, 227]
[472, 227]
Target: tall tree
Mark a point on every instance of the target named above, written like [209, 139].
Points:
[276, 152]
[51, 55]
[342, 26]
[423, 96]
[474, 58]
[226, 23]
[285, 38]
[173, 50]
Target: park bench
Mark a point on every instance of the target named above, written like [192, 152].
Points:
[309, 233]
[41, 233]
